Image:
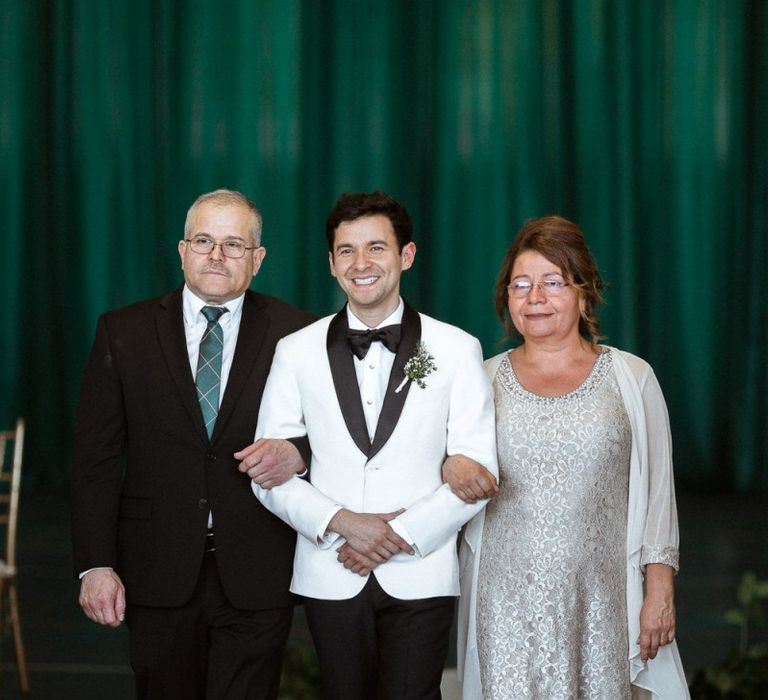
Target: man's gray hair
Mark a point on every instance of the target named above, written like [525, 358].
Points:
[227, 198]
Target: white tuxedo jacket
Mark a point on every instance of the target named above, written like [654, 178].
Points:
[312, 390]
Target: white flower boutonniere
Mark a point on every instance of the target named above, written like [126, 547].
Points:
[419, 366]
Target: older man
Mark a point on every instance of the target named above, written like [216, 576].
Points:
[166, 532]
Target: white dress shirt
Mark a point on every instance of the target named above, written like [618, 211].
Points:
[374, 369]
[373, 377]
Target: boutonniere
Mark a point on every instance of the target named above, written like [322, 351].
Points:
[419, 366]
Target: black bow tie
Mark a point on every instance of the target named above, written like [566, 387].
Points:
[360, 341]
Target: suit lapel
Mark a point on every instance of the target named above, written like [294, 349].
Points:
[410, 333]
[170, 332]
[345, 381]
[250, 337]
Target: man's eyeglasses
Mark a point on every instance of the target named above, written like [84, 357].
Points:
[203, 245]
[519, 289]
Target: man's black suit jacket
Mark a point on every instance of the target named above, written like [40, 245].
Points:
[146, 475]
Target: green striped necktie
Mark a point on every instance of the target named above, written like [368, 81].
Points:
[208, 378]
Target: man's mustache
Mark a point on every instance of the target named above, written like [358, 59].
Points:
[216, 268]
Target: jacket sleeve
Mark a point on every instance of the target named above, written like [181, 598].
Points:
[471, 431]
[100, 437]
[297, 502]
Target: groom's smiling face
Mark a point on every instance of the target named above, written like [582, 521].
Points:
[367, 263]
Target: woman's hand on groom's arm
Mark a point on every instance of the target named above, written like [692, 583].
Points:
[469, 480]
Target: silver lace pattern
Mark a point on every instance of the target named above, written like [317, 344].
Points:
[551, 608]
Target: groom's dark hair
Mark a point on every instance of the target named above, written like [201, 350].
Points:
[355, 205]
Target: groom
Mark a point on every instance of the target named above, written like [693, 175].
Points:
[384, 394]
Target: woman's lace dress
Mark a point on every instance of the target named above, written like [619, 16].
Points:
[551, 609]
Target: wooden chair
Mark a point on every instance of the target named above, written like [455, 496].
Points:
[11, 445]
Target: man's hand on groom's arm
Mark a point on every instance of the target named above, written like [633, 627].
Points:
[469, 480]
[270, 463]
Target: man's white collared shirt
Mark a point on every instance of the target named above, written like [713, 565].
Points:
[374, 369]
[373, 378]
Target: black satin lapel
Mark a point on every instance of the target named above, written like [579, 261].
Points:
[394, 402]
[170, 332]
[254, 324]
[345, 381]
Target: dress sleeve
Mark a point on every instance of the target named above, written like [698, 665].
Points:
[661, 537]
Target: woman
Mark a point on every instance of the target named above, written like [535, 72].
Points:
[567, 577]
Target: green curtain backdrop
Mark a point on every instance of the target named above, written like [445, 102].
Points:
[644, 121]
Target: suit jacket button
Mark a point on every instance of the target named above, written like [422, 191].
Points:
[211, 457]
[202, 504]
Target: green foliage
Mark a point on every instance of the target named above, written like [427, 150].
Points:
[301, 673]
[420, 365]
[745, 675]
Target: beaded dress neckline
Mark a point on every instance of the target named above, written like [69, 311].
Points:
[594, 379]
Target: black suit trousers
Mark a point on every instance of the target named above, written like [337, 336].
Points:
[207, 649]
[376, 647]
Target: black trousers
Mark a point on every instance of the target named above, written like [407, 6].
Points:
[207, 648]
[376, 647]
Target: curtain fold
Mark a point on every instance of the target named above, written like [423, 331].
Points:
[644, 122]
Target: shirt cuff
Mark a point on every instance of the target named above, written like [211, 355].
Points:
[95, 568]
[325, 539]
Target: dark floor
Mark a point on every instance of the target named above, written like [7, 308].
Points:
[70, 657]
